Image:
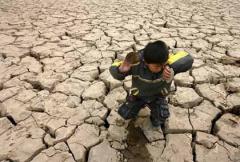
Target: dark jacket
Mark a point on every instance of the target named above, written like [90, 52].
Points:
[144, 82]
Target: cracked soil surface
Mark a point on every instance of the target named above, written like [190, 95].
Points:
[58, 102]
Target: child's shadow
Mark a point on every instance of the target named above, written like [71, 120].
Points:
[136, 150]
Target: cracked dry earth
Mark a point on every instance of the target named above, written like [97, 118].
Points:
[59, 102]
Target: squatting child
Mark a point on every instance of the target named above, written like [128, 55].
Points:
[152, 70]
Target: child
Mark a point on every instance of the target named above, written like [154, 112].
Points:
[152, 75]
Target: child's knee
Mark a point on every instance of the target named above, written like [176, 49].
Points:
[131, 107]
[124, 112]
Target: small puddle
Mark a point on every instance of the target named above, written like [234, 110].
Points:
[136, 150]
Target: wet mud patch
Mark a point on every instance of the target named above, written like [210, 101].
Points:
[136, 150]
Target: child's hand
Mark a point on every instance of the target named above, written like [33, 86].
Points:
[125, 67]
[168, 73]
[131, 58]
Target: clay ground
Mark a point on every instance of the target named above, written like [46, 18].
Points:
[59, 102]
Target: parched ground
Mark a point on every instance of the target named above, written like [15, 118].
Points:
[59, 102]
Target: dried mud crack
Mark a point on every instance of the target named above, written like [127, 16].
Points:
[58, 101]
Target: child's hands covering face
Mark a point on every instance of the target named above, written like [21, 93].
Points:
[168, 73]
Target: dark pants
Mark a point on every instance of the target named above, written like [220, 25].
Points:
[158, 106]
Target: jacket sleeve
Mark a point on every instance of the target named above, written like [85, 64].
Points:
[180, 62]
[114, 71]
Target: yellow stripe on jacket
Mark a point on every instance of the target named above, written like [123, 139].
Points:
[175, 57]
[117, 63]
